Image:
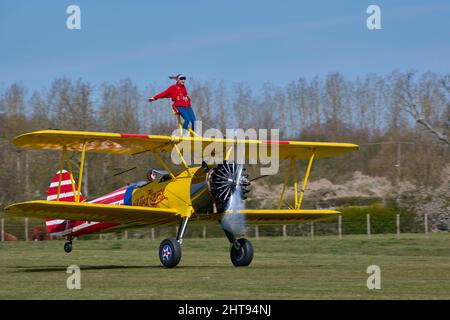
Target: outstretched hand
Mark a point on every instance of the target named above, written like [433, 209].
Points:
[151, 99]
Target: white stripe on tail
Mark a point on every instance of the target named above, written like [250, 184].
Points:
[67, 192]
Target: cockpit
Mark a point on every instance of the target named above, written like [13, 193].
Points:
[153, 175]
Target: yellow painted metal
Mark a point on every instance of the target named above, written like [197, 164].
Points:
[227, 156]
[180, 125]
[61, 167]
[156, 203]
[294, 169]
[171, 194]
[186, 167]
[80, 179]
[133, 144]
[267, 216]
[94, 212]
[286, 179]
[305, 180]
[283, 211]
[194, 133]
[164, 165]
[72, 180]
[105, 142]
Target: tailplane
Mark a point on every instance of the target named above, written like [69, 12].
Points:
[67, 192]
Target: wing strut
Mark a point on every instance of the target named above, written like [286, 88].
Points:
[161, 161]
[305, 181]
[65, 158]
[80, 177]
[298, 196]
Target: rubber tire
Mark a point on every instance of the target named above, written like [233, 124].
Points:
[68, 247]
[174, 253]
[243, 256]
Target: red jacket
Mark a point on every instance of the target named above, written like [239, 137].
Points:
[178, 94]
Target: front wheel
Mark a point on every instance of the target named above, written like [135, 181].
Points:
[241, 253]
[170, 253]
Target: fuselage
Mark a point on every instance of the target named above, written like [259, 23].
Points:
[159, 193]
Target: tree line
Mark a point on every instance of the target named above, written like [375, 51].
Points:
[400, 120]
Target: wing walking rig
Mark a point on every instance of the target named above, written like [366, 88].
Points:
[202, 193]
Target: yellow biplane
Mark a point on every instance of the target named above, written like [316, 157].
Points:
[204, 192]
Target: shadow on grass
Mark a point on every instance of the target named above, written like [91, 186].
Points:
[111, 267]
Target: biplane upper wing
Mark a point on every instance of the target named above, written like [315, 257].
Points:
[99, 142]
[120, 143]
[93, 212]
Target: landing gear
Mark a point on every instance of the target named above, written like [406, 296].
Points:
[68, 246]
[170, 253]
[241, 252]
[170, 249]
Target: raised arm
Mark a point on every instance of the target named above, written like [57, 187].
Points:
[165, 94]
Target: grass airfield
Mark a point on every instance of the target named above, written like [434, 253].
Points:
[414, 267]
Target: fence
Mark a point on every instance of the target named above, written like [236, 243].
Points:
[26, 229]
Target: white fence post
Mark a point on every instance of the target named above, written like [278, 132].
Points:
[312, 230]
[125, 235]
[26, 229]
[257, 232]
[3, 230]
[368, 226]
[398, 226]
[284, 231]
[340, 227]
[153, 233]
[426, 223]
[204, 232]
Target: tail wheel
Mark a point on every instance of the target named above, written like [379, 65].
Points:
[241, 253]
[170, 253]
[68, 247]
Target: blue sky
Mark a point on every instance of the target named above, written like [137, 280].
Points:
[251, 41]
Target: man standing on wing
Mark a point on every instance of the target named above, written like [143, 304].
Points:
[181, 101]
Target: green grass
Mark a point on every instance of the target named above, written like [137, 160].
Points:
[413, 267]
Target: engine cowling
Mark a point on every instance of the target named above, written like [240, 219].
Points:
[224, 181]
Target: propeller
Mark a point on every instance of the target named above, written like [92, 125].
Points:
[228, 184]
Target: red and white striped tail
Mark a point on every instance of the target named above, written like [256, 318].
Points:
[67, 190]
[67, 193]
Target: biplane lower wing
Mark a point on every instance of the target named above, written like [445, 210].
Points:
[274, 216]
[119, 214]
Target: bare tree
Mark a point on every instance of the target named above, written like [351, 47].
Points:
[408, 99]
[445, 84]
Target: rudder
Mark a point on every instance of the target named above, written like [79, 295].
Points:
[68, 193]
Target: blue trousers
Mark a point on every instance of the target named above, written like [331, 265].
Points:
[188, 117]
